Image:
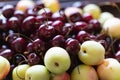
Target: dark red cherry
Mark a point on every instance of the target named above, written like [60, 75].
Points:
[33, 59]
[58, 25]
[39, 5]
[38, 46]
[78, 26]
[14, 24]
[73, 14]
[82, 36]
[45, 12]
[28, 25]
[20, 15]
[29, 48]
[3, 24]
[19, 44]
[67, 29]
[58, 40]
[46, 32]
[94, 26]
[87, 17]
[72, 46]
[11, 37]
[30, 12]
[103, 42]
[40, 20]
[59, 16]
[7, 53]
[8, 10]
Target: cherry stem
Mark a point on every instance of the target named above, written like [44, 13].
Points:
[18, 34]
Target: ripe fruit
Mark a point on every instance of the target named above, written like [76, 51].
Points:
[57, 60]
[105, 16]
[84, 72]
[4, 67]
[53, 5]
[109, 69]
[92, 53]
[73, 14]
[23, 5]
[8, 11]
[112, 26]
[63, 76]
[18, 72]
[37, 72]
[93, 9]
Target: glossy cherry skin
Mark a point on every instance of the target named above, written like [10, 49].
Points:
[38, 46]
[8, 10]
[58, 25]
[14, 24]
[59, 16]
[10, 38]
[87, 17]
[7, 53]
[78, 26]
[58, 40]
[33, 59]
[94, 26]
[3, 25]
[82, 36]
[72, 46]
[20, 15]
[40, 20]
[28, 25]
[45, 12]
[67, 29]
[19, 45]
[46, 32]
[29, 48]
[39, 5]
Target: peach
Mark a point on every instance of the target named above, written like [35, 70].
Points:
[4, 67]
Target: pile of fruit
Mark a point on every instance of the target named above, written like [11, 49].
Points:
[43, 41]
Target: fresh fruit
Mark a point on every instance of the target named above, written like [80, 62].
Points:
[23, 5]
[53, 5]
[63, 76]
[111, 27]
[4, 67]
[105, 16]
[109, 69]
[73, 14]
[84, 72]
[50, 35]
[18, 72]
[8, 11]
[91, 53]
[37, 72]
[57, 60]
[93, 9]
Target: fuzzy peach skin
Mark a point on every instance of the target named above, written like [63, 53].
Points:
[109, 69]
[4, 67]
[84, 72]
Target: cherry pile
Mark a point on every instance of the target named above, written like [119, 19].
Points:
[26, 36]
